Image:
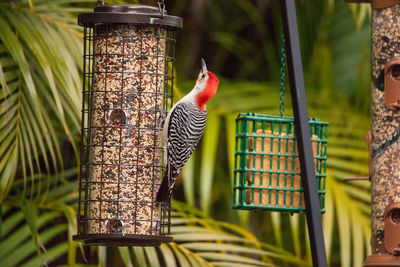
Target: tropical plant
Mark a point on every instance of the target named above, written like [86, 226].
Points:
[40, 78]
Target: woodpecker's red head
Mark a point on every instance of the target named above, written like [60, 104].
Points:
[206, 86]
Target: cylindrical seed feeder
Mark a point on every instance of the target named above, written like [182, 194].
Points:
[127, 89]
[385, 132]
[384, 138]
[267, 170]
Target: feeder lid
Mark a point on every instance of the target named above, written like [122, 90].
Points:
[132, 14]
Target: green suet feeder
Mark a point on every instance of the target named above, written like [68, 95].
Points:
[267, 171]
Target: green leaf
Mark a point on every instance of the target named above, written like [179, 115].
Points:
[28, 248]
[328, 221]
[276, 223]
[102, 255]
[29, 209]
[124, 252]
[358, 245]
[139, 256]
[232, 258]
[344, 231]
[152, 258]
[20, 234]
[52, 254]
[294, 228]
[13, 45]
[10, 222]
[208, 246]
[179, 255]
[188, 180]
[168, 255]
[208, 156]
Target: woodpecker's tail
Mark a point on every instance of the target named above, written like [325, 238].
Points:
[163, 191]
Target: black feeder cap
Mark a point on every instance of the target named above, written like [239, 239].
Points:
[130, 14]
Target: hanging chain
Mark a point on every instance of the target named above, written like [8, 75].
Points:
[283, 73]
[161, 6]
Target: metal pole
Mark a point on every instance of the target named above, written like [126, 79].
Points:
[302, 127]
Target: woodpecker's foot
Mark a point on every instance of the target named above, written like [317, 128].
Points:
[162, 203]
[162, 209]
[156, 225]
[161, 115]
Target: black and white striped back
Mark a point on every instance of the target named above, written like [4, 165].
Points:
[186, 126]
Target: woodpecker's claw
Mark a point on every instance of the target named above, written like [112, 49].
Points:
[203, 65]
[160, 116]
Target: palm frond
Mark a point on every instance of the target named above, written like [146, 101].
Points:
[18, 249]
[40, 82]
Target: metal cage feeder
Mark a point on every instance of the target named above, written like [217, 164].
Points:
[127, 88]
[267, 171]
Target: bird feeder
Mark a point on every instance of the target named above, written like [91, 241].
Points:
[385, 142]
[384, 135]
[267, 170]
[127, 89]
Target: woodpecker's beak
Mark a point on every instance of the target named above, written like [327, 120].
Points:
[203, 66]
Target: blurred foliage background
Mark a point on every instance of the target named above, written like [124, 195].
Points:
[40, 78]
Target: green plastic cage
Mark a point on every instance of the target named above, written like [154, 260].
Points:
[267, 170]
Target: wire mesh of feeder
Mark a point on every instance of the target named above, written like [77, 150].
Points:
[267, 170]
[127, 89]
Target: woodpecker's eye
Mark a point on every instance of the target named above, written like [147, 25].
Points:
[203, 76]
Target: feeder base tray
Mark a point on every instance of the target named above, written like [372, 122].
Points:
[122, 240]
[386, 260]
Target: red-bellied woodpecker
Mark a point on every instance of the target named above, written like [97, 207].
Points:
[183, 128]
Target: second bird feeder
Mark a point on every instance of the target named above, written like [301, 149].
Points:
[128, 83]
[267, 168]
